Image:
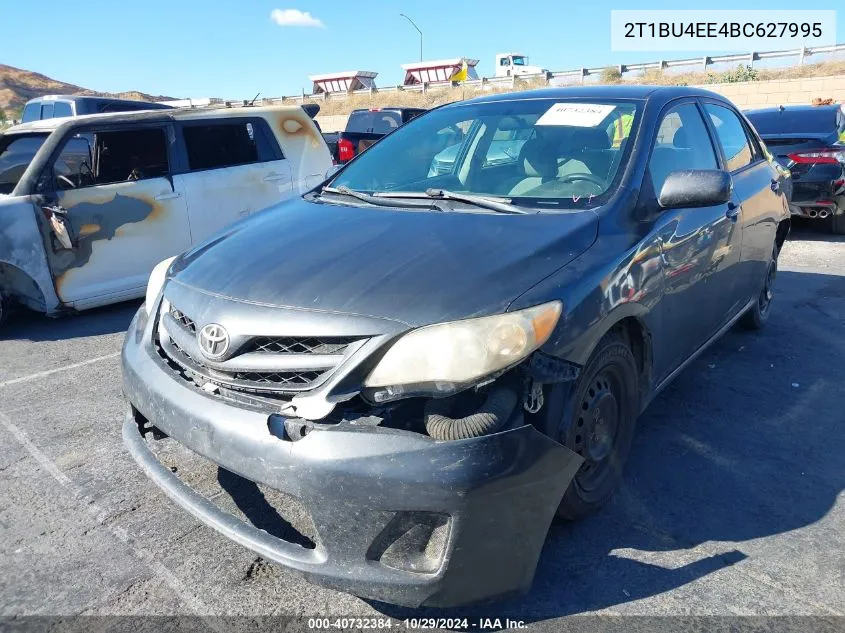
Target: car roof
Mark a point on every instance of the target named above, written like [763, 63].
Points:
[79, 98]
[176, 114]
[627, 91]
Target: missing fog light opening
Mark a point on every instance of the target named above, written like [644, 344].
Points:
[413, 542]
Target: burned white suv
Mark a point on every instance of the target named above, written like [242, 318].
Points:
[89, 205]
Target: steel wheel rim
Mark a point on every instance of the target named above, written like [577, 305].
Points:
[595, 428]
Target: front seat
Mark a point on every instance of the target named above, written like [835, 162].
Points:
[539, 165]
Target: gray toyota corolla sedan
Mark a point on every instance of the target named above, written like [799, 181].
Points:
[431, 358]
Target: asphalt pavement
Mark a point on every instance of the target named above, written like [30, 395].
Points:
[732, 502]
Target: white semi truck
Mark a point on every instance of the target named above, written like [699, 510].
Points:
[508, 64]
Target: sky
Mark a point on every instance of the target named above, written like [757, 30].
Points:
[233, 50]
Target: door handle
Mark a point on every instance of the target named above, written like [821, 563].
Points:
[733, 210]
[274, 177]
[169, 196]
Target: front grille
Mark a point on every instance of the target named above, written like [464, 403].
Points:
[250, 368]
[184, 321]
[282, 379]
[289, 345]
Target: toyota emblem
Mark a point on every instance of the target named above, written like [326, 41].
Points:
[214, 340]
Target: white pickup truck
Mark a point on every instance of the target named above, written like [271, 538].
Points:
[89, 205]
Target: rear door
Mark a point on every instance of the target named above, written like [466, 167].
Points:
[113, 212]
[230, 168]
[699, 246]
[756, 192]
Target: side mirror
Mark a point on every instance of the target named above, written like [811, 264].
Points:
[687, 188]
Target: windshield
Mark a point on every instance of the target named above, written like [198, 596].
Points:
[549, 152]
[16, 152]
[520, 61]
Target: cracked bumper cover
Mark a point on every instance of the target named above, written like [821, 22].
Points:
[497, 494]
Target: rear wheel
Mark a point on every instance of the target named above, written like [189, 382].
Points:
[758, 314]
[837, 221]
[599, 426]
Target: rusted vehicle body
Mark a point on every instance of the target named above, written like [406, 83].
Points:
[89, 205]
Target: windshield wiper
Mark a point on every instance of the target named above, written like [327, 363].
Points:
[500, 205]
[343, 190]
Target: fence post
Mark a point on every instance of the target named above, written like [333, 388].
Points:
[801, 55]
[583, 75]
[704, 62]
[751, 57]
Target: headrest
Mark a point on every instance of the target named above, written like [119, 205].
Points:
[681, 139]
[590, 138]
[538, 159]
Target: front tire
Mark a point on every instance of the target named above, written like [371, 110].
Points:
[5, 304]
[758, 314]
[599, 426]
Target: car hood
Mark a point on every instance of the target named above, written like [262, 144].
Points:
[408, 265]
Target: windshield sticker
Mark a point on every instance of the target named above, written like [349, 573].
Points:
[576, 114]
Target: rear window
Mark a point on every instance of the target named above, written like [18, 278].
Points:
[373, 122]
[221, 145]
[809, 121]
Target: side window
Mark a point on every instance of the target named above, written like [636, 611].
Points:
[62, 108]
[682, 142]
[508, 139]
[72, 168]
[118, 156]
[732, 136]
[220, 145]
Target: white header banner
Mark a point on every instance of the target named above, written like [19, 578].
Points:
[718, 31]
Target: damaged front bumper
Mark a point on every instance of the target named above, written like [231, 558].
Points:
[398, 517]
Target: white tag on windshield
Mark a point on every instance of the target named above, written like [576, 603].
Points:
[576, 114]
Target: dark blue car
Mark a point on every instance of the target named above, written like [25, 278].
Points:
[435, 352]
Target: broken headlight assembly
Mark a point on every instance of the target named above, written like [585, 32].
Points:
[441, 359]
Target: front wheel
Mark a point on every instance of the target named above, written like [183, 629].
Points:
[758, 314]
[599, 426]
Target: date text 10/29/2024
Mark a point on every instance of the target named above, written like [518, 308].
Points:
[466, 624]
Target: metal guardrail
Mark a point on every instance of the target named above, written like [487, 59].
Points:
[580, 74]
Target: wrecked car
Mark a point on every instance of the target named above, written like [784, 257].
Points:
[89, 205]
[431, 366]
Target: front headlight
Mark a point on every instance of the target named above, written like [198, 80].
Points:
[443, 358]
[156, 282]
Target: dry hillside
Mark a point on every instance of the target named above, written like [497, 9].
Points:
[18, 86]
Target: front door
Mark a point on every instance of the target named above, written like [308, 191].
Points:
[113, 213]
[699, 246]
[234, 168]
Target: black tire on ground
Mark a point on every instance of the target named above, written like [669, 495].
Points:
[756, 316]
[596, 419]
[837, 222]
[4, 307]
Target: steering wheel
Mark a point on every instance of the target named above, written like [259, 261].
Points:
[66, 180]
[588, 177]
